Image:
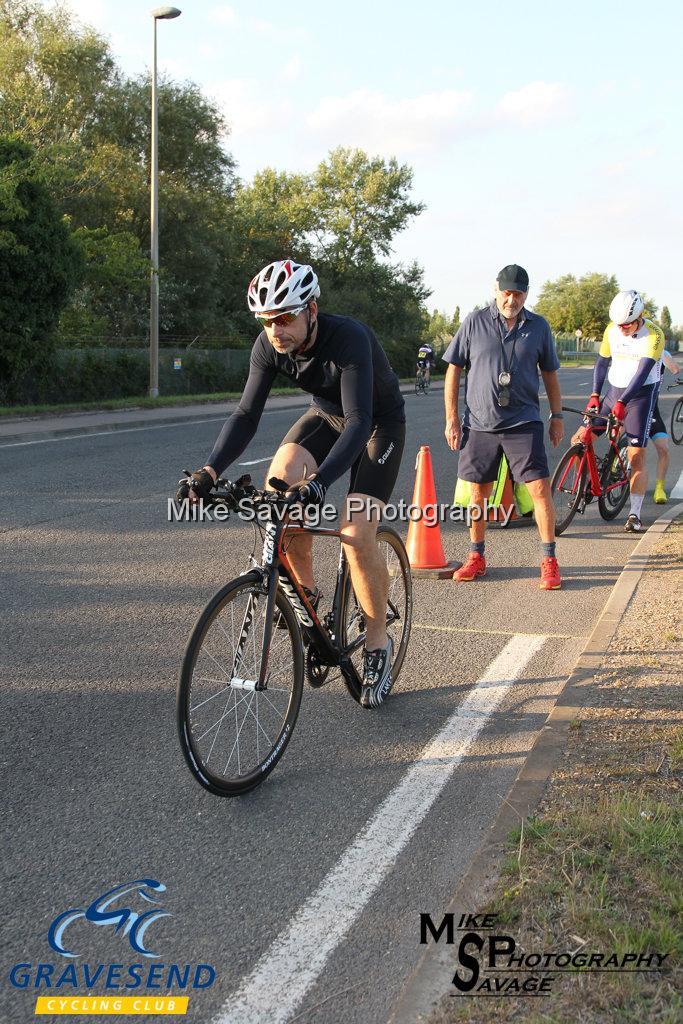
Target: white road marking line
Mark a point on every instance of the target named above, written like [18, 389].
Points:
[678, 489]
[255, 462]
[286, 971]
[499, 632]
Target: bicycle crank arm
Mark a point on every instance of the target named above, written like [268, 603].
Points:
[346, 669]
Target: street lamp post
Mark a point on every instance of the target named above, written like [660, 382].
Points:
[159, 13]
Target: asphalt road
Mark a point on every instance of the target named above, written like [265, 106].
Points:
[100, 593]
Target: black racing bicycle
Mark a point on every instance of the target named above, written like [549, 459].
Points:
[242, 676]
[677, 416]
[421, 382]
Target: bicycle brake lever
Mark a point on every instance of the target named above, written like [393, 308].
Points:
[278, 485]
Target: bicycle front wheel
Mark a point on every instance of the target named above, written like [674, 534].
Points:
[399, 611]
[567, 486]
[231, 734]
[614, 481]
[677, 422]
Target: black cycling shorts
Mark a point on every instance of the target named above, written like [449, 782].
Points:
[657, 426]
[375, 470]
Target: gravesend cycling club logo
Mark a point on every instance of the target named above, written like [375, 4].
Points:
[126, 921]
[126, 914]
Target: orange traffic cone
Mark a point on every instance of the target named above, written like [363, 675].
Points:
[424, 547]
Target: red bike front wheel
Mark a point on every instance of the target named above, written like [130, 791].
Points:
[568, 486]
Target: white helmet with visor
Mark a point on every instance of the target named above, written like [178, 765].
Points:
[282, 285]
[626, 307]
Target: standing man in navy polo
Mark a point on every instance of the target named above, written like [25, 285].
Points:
[503, 347]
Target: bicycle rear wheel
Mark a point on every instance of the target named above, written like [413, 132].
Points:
[568, 486]
[615, 476]
[677, 422]
[399, 611]
[232, 735]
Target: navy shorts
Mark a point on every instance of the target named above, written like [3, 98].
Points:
[638, 412]
[375, 470]
[523, 447]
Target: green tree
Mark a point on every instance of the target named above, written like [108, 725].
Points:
[665, 321]
[441, 328]
[359, 203]
[112, 296]
[569, 304]
[60, 88]
[39, 267]
[342, 218]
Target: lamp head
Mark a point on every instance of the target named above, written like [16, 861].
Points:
[165, 13]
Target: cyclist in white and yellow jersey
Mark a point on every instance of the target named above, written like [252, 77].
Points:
[629, 358]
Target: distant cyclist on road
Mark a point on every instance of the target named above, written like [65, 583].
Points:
[425, 361]
[629, 358]
[355, 421]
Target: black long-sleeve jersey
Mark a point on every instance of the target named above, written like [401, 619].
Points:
[349, 376]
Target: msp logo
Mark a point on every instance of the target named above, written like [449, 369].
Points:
[123, 910]
[125, 921]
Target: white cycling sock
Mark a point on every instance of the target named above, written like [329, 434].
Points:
[636, 504]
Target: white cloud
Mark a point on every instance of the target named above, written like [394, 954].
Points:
[536, 102]
[248, 111]
[262, 26]
[293, 68]
[371, 120]
[89, 12]
[223, 15]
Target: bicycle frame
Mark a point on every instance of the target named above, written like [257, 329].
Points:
[586, 439]
[276, 570]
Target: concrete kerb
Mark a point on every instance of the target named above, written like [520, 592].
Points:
[430, 980]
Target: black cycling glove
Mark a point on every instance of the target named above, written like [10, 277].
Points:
[201, 482]
[309, 492]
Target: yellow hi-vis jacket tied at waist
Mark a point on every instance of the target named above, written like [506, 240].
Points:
[523, 503]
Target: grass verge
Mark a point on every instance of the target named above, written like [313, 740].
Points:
[135, 402]
[599, 868]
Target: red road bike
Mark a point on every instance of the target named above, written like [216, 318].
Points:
[580, 476]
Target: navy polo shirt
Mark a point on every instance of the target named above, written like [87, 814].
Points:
[477, 346]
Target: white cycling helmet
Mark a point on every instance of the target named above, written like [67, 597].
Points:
[282, 285]
[626, 307]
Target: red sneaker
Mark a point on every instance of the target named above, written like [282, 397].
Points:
[550, 574]
[473, 567]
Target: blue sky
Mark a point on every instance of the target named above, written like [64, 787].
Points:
[542, 134]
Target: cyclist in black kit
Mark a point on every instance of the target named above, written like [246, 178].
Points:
[425, 360]
[355, 421]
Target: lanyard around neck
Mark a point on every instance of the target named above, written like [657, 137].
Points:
[508, 366]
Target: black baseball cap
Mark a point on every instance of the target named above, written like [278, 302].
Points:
[513, 278]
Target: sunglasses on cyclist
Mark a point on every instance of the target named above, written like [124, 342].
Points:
[281, 320]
